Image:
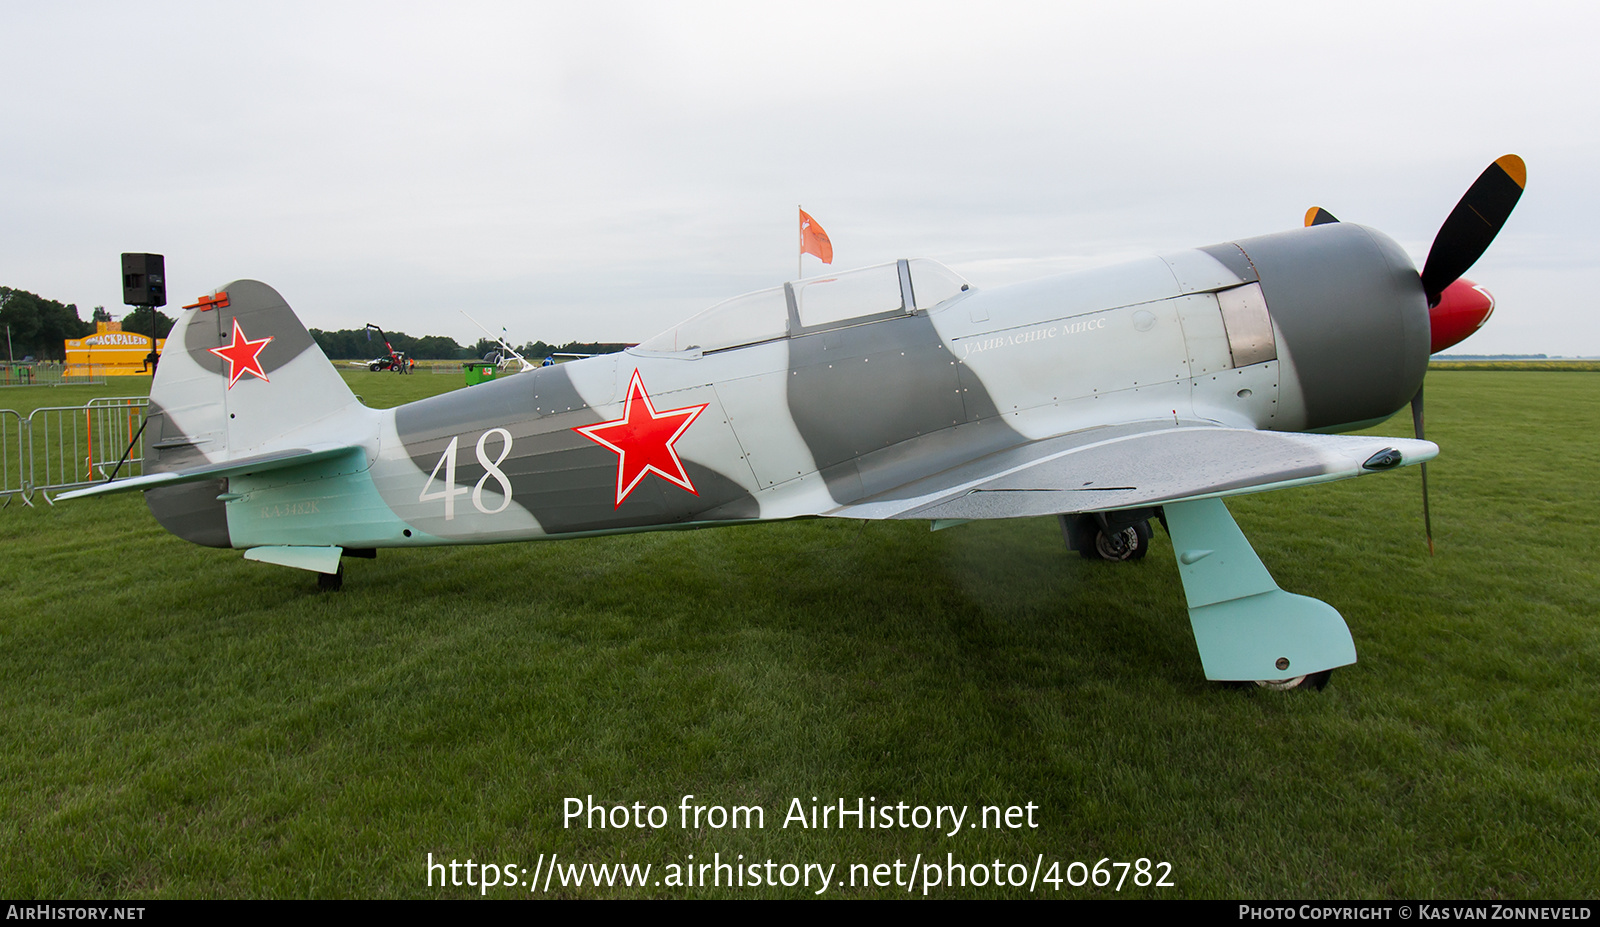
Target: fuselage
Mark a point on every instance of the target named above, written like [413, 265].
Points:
[825, 392]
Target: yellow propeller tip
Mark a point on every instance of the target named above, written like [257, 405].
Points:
[1515, 169]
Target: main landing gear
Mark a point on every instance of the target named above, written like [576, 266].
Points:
[1113, 536]
[1316, 682]
[1245, 627]
[1131, 543]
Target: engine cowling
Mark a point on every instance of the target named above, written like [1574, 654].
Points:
[1350, 316]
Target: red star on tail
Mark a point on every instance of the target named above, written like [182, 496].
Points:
[642, 440]
[243, 355]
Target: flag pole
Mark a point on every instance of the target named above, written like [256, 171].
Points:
[802, 242]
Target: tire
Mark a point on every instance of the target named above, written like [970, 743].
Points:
[1313, 681]
[1131, 543]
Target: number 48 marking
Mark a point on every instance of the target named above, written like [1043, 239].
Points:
[447, 460]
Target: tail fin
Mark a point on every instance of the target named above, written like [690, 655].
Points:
[241, 376]
[241, 389]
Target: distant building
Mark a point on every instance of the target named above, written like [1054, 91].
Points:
[110, 351]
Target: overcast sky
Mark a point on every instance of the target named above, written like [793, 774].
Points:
[597, 171]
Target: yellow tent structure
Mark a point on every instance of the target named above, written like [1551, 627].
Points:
[110, 351]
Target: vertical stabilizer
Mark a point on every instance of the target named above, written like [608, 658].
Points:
[241, 375]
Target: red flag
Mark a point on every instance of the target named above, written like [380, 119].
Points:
[813, 240]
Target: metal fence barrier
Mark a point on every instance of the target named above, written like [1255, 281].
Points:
[118, 436]
[12, 454]
[65, 447]
[49, 373]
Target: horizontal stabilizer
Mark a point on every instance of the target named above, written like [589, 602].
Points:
[314, 559]
[1135, 466]
[258, 463]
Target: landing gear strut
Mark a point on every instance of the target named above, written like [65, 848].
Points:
[1244, 625]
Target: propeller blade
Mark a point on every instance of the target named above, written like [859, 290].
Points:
[1473, 224]
[1416, 428]
[1316, 215]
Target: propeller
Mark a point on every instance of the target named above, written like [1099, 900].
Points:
[1473, 224]
[1316, 215]
[1456, 307]
[1416, 428]
[1463, 238]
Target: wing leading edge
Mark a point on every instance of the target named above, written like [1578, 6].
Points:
[1140, 464]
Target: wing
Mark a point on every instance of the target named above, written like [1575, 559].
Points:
[1134, 465]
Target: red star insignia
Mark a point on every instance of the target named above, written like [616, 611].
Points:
[642, 439]
[243, 355]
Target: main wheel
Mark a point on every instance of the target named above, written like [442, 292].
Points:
[1314, 681]
[1131, 543]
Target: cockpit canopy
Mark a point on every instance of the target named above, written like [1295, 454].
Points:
[853, 297]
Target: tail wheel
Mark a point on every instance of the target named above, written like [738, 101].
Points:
[331, 582]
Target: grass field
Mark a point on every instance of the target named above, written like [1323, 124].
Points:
[179, 722]
[1559, 364]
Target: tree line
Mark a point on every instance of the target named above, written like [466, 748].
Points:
[38, 328]
[353, 344]
[535, 350]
